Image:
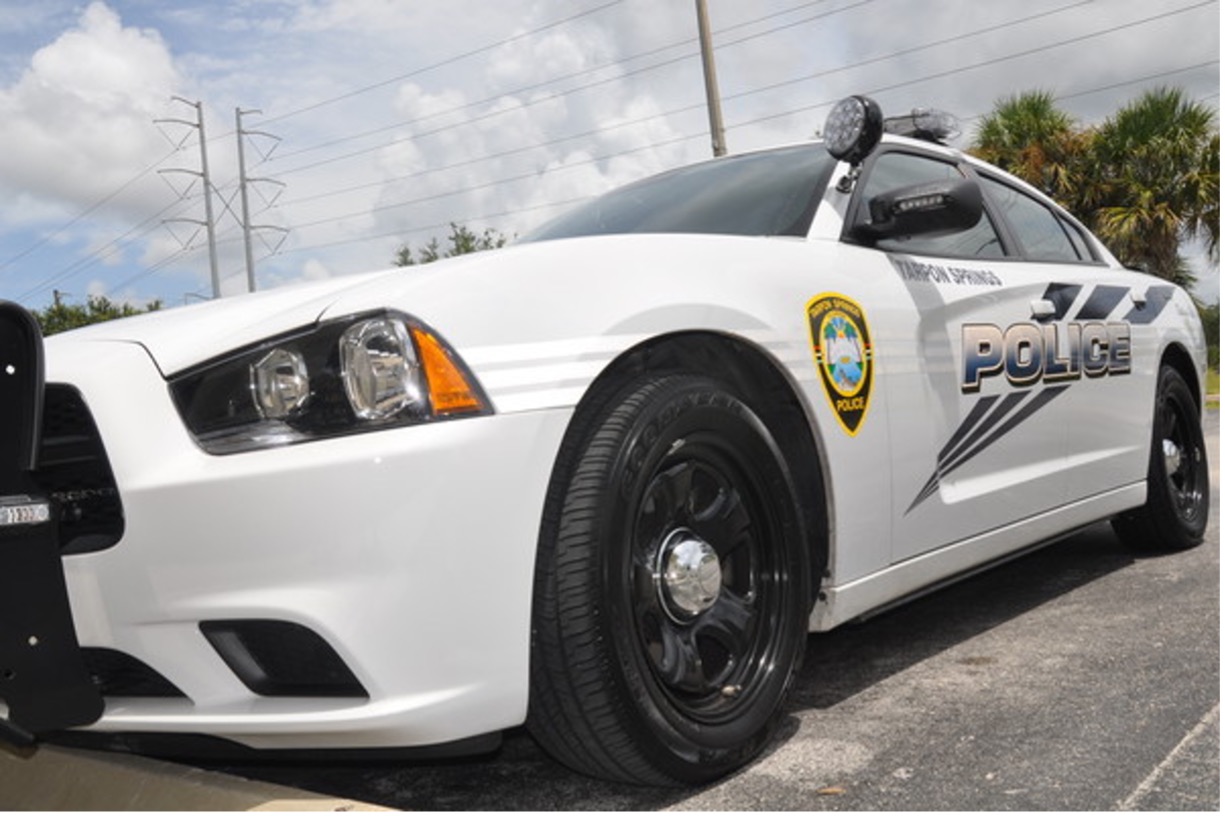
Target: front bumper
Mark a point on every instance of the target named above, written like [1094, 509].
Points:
[410, 552]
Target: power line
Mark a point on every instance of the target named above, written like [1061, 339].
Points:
[51, 236]
[549, 97]
[973, 66]
[448, 61]
[434, 227]
[497, 182]
[585, 72]
[774, 86]
[673, 111]
[1122, 84]
[62, 229]
[605, 157]
[742, 94]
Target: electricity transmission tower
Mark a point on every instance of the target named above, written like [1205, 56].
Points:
[209, 223]
[244, 181]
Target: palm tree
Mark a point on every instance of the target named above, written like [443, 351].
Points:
[1031, 138]
[1147, 180]
[1156, 162]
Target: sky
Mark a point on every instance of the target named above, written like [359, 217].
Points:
[367, 125]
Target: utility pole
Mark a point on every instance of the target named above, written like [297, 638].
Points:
[243, 181]
[246, 209]
[713, 106]
[209, 225]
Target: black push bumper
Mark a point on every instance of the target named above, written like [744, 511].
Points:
[43, 679]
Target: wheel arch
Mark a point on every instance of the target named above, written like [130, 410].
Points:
[755, 375]
[1177, 357]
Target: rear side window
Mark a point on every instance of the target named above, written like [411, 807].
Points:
[1078, 240]
[1042, 234]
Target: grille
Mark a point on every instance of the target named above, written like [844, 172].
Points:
[74, 471]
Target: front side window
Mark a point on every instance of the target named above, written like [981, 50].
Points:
[893, 170]
[770, 193]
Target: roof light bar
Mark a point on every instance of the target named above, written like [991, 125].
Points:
[927, 124]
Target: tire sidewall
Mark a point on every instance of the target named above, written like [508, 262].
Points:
[682, 747]
[1174, 394]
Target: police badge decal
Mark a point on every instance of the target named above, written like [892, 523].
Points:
[842, 349]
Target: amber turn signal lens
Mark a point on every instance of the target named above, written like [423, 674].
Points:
[449, 389]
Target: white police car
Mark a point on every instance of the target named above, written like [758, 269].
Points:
[603, 482]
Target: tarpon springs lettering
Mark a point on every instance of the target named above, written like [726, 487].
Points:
[921, 272]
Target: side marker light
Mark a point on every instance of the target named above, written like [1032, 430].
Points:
[448, 386]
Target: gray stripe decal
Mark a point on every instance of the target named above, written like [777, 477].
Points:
[1155, 300]
[965, 446]
[1102, 302]
[1063, 295]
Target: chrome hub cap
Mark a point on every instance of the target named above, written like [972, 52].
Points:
[689, 576]
[1173, 456]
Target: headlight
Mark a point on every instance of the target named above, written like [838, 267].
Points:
[379, 368]
[346, 376]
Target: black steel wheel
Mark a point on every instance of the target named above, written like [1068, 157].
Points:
[672, 587]
[1176, 513]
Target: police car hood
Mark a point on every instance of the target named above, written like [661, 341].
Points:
[181, 337]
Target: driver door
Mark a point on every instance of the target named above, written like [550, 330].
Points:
[978, 441]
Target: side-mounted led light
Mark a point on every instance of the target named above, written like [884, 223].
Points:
[853, 129]
[930, 201]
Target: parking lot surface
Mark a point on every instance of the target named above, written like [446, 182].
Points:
[1080, 677]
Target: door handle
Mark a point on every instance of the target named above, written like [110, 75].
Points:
[1042, 309]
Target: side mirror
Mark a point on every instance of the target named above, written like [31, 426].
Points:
[933, 208]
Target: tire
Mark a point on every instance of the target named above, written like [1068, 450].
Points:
[1176, 512]
[671, 598]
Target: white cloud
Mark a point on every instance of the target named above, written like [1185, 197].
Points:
[78, 124]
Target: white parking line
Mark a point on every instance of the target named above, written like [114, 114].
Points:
[1212, 718]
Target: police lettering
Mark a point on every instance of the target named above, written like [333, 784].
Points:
[1027, 353]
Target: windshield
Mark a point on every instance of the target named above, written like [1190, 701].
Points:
[774, 192]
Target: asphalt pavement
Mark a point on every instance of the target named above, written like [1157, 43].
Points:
[1081, 677]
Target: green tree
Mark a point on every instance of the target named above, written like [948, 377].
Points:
[62, 316]
[1147, 181]
[462, 241]
[1030, 137]
[1159, 181]
[1211, 317]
